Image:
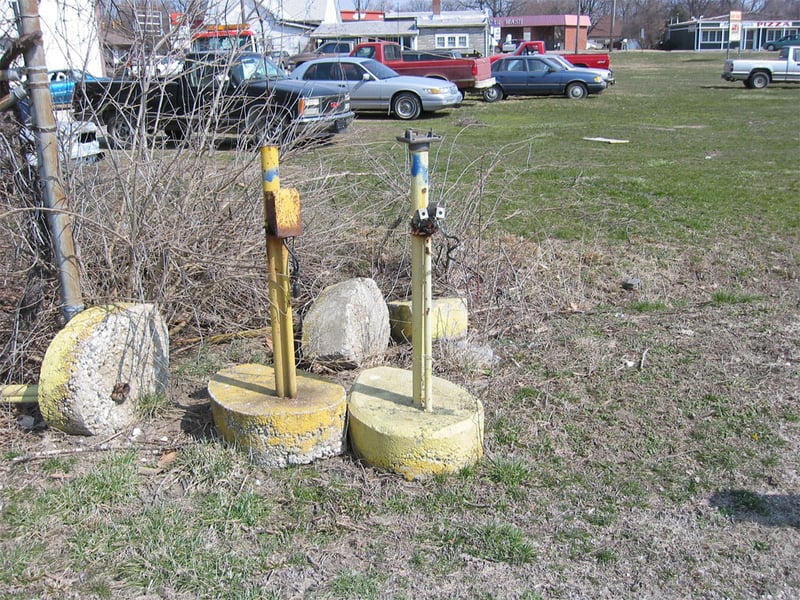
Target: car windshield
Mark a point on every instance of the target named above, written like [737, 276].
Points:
[380, 70]
[552, 63]
[254, 67]
[561, 61]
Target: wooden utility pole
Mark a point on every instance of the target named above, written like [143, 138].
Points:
[613, 24]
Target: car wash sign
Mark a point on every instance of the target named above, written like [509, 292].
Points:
[735, 26]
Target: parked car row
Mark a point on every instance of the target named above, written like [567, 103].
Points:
[375, 87]
[260, 101]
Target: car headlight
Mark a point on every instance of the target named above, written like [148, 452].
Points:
[597, 79]
[441, 90]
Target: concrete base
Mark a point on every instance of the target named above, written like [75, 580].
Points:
[388, 432]
[449, 319]
[100, 364]
[278, 431]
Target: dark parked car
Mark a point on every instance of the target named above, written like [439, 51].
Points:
[326, 50]
[280, 58]
[787, 40]
[540, 76]
[246, 94]
[62, 84]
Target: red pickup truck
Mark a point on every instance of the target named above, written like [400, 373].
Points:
[591, 60]
[466, 73]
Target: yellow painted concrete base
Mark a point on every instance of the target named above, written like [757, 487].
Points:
[389, 433]
[449, 319]
[278, 431]
[100, 364]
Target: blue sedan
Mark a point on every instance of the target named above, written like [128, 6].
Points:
[540, 76]
[375, 87]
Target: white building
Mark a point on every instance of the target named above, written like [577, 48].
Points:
[69, 34]
[278, 24]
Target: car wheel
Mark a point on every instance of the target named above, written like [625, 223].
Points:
[759, 81]
[576, 91]
[121, 129]
[406, 106]
[493, 94]
[770, 47]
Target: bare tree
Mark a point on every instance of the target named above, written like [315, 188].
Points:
[787, 9]
[496, 8]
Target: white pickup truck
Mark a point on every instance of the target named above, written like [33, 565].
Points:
[758, 74]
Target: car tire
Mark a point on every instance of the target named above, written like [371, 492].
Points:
[770, 48]
[121, 129]
[576, 91]
[758, 81]
[406, 106]
[493, 94]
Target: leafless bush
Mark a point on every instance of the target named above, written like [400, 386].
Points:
[173, 215]
[181, 225]
[27, 280]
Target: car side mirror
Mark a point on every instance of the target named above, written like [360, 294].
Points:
[366, 77]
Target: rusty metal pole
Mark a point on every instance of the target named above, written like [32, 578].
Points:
[421, 287]
[44, 130]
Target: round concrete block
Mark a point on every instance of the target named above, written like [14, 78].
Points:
[278, 431]
[100, 364]
[390, 433]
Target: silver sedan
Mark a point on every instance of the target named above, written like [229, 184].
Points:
[375, 87]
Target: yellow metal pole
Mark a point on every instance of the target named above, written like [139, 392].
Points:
[421, 334]
[19, 393]
[279, 284]
[421, 287]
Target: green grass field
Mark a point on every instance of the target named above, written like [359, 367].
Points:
[701, 154]
[638, 444]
